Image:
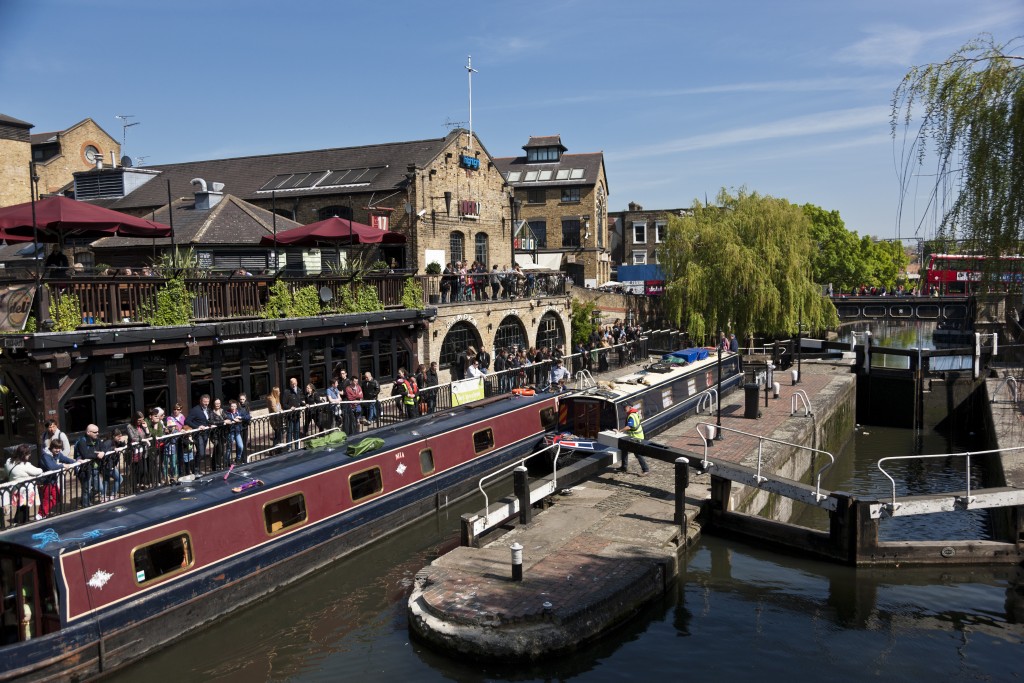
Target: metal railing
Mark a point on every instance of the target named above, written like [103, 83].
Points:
[1009, 381]
[553, 485]
[799, 397]
[964, 500]
[710, 397]
[705, 463]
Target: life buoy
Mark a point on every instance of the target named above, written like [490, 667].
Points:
[525, 391]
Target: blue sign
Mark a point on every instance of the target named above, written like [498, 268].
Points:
[472, 163]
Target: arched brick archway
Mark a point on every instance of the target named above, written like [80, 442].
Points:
[551, 331]
[459, 336]
[511, 332]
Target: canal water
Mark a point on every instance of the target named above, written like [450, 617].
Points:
[737, 612]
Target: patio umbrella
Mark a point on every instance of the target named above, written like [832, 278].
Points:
[59, 217]
[331, 231]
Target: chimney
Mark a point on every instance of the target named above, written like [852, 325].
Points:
[633, 206]
[206, 199]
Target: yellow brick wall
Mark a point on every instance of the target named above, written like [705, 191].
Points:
[14, 181]
[57, 172]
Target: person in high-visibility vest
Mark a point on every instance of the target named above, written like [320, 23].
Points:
[407, 388]
[635, 430]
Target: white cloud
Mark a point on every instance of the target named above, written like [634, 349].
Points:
[884, 46]
[796, 127]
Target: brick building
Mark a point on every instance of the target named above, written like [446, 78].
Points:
[15, 156]
[563, 200]
[640, 233]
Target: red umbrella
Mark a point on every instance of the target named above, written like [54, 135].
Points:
[332, 231]
[59, 217]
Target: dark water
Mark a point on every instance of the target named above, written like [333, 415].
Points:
[738, 612]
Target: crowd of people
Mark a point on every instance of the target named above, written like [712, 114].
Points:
[463, 281]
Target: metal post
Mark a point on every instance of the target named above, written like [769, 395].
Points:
[718, 400]
[33, 188]
[170, 222]
[682, 472]
[521, 486]
[273, 218]
[799, 331]
[517, 561]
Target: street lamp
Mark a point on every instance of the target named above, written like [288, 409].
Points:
[799, 330]
[718, 427]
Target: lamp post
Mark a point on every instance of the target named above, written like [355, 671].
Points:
[34, 177]
[799, 330]
[718, 427]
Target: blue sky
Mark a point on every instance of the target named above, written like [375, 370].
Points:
[790, 99]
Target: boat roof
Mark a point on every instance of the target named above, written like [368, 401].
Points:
[125, 515]
[625, 387]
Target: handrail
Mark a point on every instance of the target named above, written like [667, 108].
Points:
[512, 465]
[705, 463]
[1010, 381]
[804, 399]
[706, 397]
[967, 499]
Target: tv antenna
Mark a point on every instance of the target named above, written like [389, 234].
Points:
[125, 126]
[451, 125]
[470, 71]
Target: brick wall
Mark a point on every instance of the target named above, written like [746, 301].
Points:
[57, 172]
[15, 156]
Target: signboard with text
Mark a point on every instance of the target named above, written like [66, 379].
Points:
[15, 306]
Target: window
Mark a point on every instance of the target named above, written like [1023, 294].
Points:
[542, 154]
[540, 232]
[461, 335]
[284, 513]
[536, 196]
[513, 176]
[483, 441]
[510, 334]
[365, 484]
[530, 176]
[120, 400]
[562, 174]
[457, 245]
[570, 232]
[576, 174]
[639, 258]
[161, 559]
[549, 332]
[548, 418]
[570, 195]
[480, 248]
[660, 231]
[639, 232]
[426, 461]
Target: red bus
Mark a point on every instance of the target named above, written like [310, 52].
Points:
[968, 273]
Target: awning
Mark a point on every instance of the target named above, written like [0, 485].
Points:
[544, 261]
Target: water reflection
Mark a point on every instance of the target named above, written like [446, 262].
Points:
[903, 335]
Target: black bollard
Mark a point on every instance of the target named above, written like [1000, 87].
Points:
[682, 472]
[521, 487]
[517, 561]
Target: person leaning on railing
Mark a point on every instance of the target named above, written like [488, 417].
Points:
[53, 460]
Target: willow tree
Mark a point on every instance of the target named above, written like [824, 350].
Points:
[966, 115]
[742, 266]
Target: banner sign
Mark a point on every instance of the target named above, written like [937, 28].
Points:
[15, 307]
[654, 287]
[467, 390]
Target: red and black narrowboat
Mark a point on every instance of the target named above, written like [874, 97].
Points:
[89, 591]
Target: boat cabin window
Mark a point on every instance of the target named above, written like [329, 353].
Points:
[161, 559]
[284, 513]
[548, 418]
[365, 484]
[483, 440]
[426, 461]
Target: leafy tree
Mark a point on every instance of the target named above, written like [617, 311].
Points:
[969, 118]
[742, 266]
[582, 321]
[834, 257]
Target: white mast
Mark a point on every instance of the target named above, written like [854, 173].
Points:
[470, 70]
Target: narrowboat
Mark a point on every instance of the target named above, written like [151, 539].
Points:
[664, 391]
[92, 590]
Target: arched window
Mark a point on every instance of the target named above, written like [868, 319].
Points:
[480, 248]
[511, 333]
[550, 333]
[460, 336]
[457, 243]
[335, 210]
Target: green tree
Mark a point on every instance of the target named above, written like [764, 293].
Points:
[968, 112]
[834, 259]
[743, 266]
[582, 321]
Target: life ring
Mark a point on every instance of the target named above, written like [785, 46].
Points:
[525, 391]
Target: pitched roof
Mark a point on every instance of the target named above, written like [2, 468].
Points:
[11, 121]
[384, 167]
[589, 163]
[232, 221]
[545, 141]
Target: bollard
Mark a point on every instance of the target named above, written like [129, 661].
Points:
[682, 472]
[776, 388]
[796, 376]
[517, 561]
[521, 487]
[709, 435]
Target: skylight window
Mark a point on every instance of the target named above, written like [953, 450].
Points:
[513, 176]
[530, 176]
[545, 175]
[308, 180]
[563, 174]
[576, 174]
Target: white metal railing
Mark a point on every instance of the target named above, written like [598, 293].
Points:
[710, 397]
[966, 499]
[800, 397]
[584, 380]
[760, 453]
[1009, 381]
[554, 473]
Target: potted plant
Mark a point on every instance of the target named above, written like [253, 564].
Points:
[434, 282]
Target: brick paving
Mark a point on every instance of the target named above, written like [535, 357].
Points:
[595, 555]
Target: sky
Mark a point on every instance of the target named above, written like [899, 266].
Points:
[790, 99]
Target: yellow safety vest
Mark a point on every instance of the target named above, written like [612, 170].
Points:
[634, 427]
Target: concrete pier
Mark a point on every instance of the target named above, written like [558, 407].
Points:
[597, 555]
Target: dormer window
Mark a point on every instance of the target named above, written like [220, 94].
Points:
[535, 154]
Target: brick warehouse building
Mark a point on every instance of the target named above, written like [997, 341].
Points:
[563, 199]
